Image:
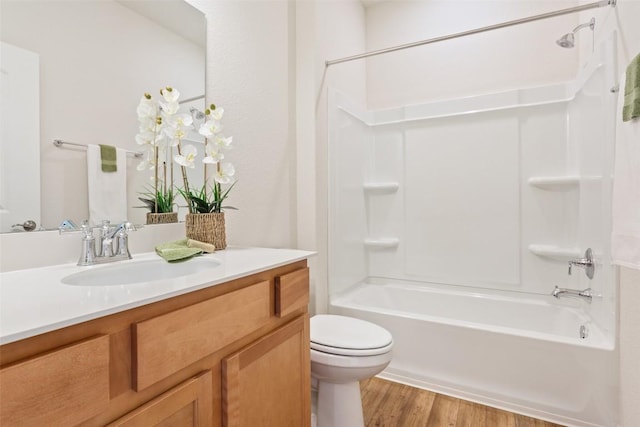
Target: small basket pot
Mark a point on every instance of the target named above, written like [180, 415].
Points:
[208, 228]
[162, 218]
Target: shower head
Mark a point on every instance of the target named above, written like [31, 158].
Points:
[569, 39]
[196, 114]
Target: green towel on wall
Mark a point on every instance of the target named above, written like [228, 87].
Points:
[177, 251]
[631, 108]
[108, 158]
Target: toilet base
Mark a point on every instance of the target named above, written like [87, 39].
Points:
[339, 405]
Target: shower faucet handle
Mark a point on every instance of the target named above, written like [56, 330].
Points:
[587, 263]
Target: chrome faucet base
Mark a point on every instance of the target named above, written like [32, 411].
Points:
[103, 260]
[113, 244]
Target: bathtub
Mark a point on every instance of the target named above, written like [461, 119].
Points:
[529, 354]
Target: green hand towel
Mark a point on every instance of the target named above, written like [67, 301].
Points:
[631, 108]
[108, 158]
[176, 251]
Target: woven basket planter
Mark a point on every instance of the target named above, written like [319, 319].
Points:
[208, 227]
[162, 218]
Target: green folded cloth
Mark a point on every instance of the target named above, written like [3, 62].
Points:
[177, 251]
[631, 108]
[108, 158]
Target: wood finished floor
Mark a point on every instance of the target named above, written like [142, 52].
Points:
[389, 404]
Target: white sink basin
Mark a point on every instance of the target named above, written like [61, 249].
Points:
[130, 272]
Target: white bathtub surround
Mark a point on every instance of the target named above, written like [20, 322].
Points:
[488, 197]
[626, 189]
[521, 354]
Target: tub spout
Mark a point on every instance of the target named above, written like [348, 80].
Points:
[585, 294]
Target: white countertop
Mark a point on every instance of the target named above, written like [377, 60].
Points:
[34, 301]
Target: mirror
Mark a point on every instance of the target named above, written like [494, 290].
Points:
[93, 62]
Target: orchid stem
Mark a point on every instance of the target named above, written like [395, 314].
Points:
[155, 185]
[185, 180]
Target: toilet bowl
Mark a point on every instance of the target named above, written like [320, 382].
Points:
[344, 351]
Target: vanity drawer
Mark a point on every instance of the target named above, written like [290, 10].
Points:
[170, 342]
[292, 291]
[62, 387]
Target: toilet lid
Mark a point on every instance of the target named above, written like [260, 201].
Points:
[348, 336]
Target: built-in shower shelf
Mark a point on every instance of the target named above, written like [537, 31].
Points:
[382, 243]
[555, 252]
[560, 183]
[381, 187]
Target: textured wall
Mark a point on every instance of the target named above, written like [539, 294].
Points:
[248, 73]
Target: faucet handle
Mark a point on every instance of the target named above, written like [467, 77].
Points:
[587, 263]
[86, 229]
[129, 226]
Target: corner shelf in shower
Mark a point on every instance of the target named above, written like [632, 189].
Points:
[555, 252]
[381, 187]
[382, 243]
[560, 183]
[557, 183]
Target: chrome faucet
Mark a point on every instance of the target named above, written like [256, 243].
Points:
[112, 244]
[585, 294]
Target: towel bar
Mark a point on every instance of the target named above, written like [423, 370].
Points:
[60, 143]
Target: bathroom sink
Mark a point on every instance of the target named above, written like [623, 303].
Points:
[130, 272]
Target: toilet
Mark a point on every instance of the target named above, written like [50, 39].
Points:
[345, 350]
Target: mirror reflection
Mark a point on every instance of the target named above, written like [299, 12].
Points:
[75, 71]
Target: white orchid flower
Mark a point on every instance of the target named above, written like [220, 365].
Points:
[175, 135]
[147, 124]
[147, 108]
[144, 165]
[224, 173]
[209, 128]
[148, 138]
[213, 155]
[147, 163]
[183, 120]
[169, 108]
[188, 156]
[217, 113]
[170, 94]
[177, 127]
[222, 142]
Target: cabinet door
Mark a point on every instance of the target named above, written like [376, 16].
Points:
[267, 383]
[62, 387]
[188, 404]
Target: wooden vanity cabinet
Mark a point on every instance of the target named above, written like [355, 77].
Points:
[234, 354]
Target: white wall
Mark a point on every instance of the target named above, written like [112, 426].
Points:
[249, 73]
[79, 104]
[508, 58]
